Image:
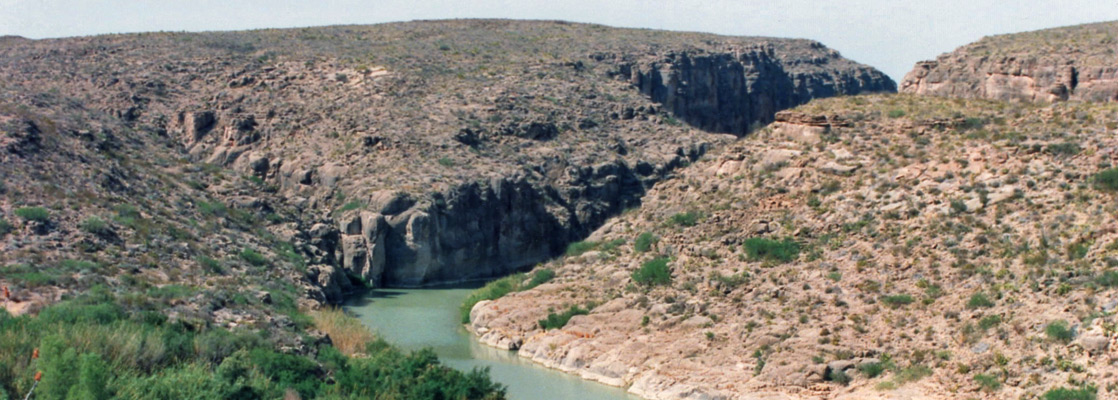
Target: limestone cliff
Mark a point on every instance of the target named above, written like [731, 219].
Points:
[1069, 63]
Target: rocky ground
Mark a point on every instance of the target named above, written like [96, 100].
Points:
[1068, 63]
[915, 247]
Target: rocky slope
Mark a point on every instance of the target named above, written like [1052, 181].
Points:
[860, 247]
[1069, 63]
[313, 160]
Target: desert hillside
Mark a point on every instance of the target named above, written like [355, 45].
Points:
[888, 246]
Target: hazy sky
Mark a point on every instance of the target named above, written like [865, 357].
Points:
[888, 34]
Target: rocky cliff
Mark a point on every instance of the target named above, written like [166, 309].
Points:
[398, 154]
[1069, 63]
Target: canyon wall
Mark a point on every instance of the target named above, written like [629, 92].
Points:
[1077, 63]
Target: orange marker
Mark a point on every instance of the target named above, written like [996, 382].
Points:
[7, 294]
[35, 354]
[38, 375]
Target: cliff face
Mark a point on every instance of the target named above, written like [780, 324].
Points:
[736, 92]
[1071, 63]
[397, 154]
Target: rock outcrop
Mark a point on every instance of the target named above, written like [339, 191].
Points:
[740, 90]
[1069, 63]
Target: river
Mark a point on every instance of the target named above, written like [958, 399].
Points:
[416, 318]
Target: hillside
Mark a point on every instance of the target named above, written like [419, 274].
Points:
[1067, 63]
[888, 246]
[232, 181]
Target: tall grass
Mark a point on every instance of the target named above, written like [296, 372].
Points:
[346, 332]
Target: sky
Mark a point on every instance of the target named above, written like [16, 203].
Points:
[891, 35]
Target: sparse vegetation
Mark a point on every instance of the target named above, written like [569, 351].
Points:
[1084, 393]
[95, 225]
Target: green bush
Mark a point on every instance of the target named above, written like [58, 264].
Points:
[1107, 180]
[653, 272]
[210, 265]
[979, 300]
[36, 214]
[784, 250]
[95, 225]
[897, 300]
[253, 257]
[872, 370]
[689, 218]
[541, 276]
[556, 321]
[1059, 331]
[5, 227]
[1085, 393]
[897, 113]
[644, 242]
[578, 248]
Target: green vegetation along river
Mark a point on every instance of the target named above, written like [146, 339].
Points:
[416, 318]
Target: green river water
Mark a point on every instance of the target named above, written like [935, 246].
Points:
[416, 318]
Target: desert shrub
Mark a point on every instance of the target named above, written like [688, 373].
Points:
[95, 225]
[644, 242]
[210, 265]
[556, 321]
[897, 113]
[540, 277]
[897, 300]
[1107, 180]
[689, 218]
[979, 300]
[1084, 393]
[871, 370]
[578, 248]
[1059, 331]
[347, 333]
[784, 250]
[446, 162]
[491, 291]
[253, 257]
[5, 227]
[212, 208]
[653, 272]
[838, 376]
[1063, 149]
[988, 383]
[1108, 278]
[36, 214]
[989, 321]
